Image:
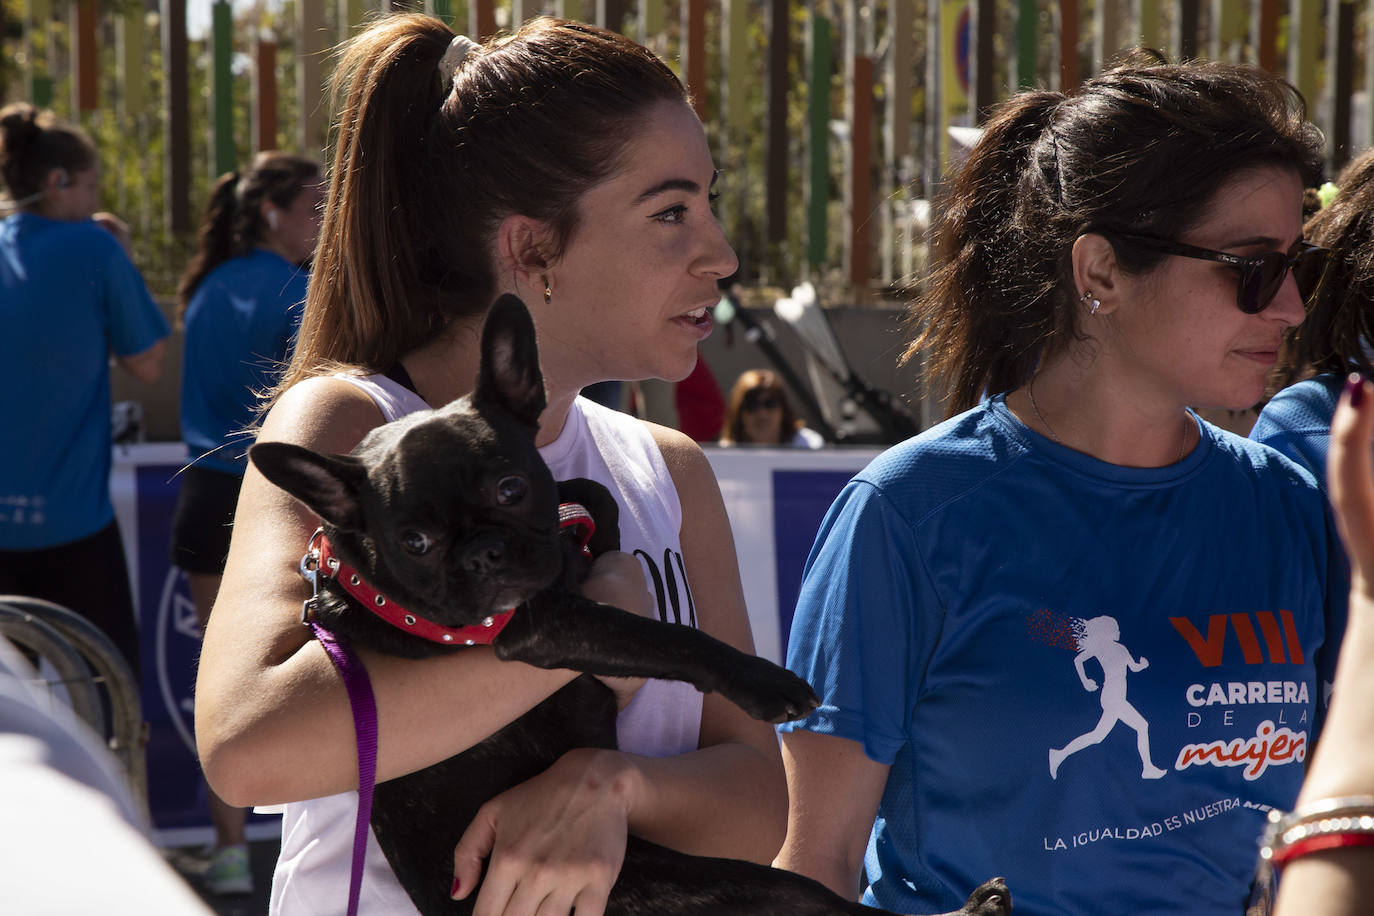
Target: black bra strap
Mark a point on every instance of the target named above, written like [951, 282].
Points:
[398, 374]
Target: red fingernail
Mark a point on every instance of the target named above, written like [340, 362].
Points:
[457, 886]
[1355, 386]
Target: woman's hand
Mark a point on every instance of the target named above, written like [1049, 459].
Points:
[617, 579]
[1350, 478]
[555, 842]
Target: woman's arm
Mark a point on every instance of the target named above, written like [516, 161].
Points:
[145, 366]
[834, 790]
[1340, 882]
[729, 798]
[273, 722]
[559, 838]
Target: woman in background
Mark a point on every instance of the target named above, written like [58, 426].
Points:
[1334, 339]
[240, 301]
[761, 414]
[69, 299]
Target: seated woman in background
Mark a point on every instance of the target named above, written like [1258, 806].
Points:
[1332, 341]
[761, 414]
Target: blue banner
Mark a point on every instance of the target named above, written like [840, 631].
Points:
[800, 501]
[169, 635]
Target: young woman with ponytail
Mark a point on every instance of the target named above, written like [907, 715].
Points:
[70, 301]
[239, 302]
[1075, 635]
[561, 163]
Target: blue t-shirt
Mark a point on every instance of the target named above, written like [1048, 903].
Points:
[240, 325]
[69, 297]
[1094, 680]
[1297, 422]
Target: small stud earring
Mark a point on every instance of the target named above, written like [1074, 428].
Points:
[1093, 303]
[548, 292]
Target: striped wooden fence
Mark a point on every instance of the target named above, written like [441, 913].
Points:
[833, 120]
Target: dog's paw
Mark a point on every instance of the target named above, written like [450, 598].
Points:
[769, 692]
[991, 898]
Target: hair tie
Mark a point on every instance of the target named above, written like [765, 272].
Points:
[458, 49]
[1327, 193]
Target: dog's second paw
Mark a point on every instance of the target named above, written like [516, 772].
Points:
[769, 692]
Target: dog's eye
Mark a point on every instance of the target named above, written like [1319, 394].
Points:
[510, 490]
[416, 542]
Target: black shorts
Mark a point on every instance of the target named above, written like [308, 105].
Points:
[88, 576]
[204, 519]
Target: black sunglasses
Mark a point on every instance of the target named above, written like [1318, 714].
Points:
[754, 402]
[1261, 275]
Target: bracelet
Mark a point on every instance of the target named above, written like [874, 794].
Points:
[1331, 823]
[1327, 824]
[1343, 814]
[1322, 841]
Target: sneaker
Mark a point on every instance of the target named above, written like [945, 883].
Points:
[228, 872]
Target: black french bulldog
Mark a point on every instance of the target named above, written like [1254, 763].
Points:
[452, 515]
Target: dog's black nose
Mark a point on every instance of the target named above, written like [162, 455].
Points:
[483, 555]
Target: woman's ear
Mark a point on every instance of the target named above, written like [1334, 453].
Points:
[521, 242]
[1096, 275]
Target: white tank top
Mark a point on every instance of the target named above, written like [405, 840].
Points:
[663, 719]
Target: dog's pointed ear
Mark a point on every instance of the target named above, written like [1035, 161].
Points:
[510, 377]
[330, 485]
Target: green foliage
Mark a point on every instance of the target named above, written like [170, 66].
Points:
[133, 144]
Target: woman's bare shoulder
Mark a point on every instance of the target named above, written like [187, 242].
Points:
[324, 413]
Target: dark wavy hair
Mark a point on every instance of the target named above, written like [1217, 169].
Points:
[1139, 148]
[1340, 319]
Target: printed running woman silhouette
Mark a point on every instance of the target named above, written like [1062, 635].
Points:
[1100, 640]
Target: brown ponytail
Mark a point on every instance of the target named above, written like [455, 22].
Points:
[427, 165]
[233, 221]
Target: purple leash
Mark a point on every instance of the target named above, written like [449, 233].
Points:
[360, 698]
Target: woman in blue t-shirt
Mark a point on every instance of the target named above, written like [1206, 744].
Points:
[983, 599]
[1334, 340]
[240, 301]
[70, 298]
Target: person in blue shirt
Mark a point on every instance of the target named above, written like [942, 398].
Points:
[1334, 340]
[1074, 635]
[70, 298]
[241, 299]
